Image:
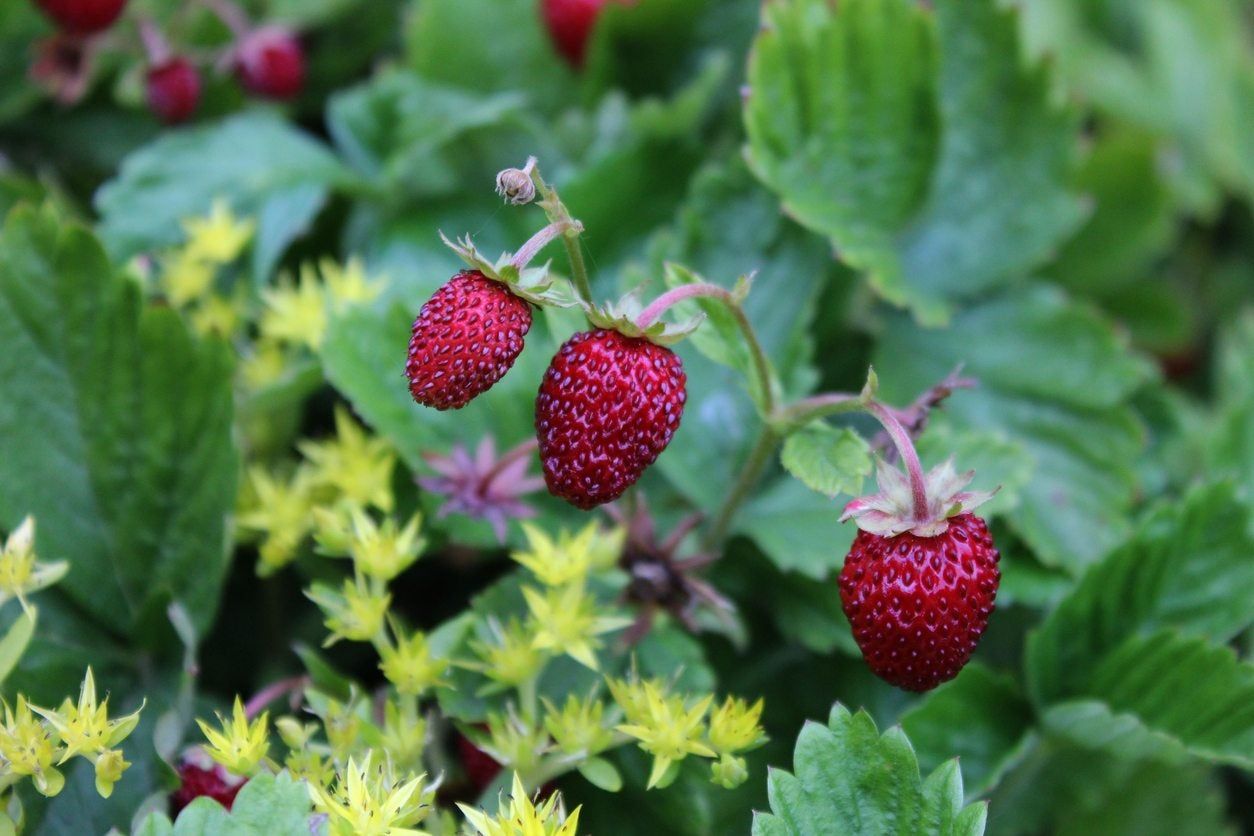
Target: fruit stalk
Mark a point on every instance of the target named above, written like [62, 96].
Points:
[557, 213]
[909, 456]
[230, 14]
[542, 239]
[759, 458]
[156, 48]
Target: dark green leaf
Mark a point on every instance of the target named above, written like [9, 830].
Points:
[828, 460]
[797, 529]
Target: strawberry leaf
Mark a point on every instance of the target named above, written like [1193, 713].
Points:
[117, 428]
[847, 126]
[848, 778]
[828, 460]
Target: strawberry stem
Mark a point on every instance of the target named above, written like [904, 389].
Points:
[909, 456]
[156, 48]
[557, 213]
[540, 240]
[232, 15]
[272, 692]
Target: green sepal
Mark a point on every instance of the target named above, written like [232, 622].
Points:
[621, 316]
[537, 285]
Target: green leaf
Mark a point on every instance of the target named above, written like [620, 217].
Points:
[1229, 443]
[1054, 378]
[798, 530]
[996, 459]
[1176, 691]
[809, 613]
[847, 778]
[13, 645]
[981, 717]
[257, 162]
[828, 460]
[1187, 568]
[118, 431]
[938, 190]
[268, 805]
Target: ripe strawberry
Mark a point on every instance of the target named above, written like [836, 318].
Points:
[466, 337]
[173, 90]
[480, 767]
[608, 406]
[82, 17]
[199, 775]
[570, 25]
[271, 63]
[918, 605]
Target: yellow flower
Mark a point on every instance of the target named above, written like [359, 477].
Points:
[668, 727]
[510, 658]
[186, 278]
[109, 768]
[383, 552]
[85, 728]
[295, 734]
[348, 285]
[513, 742]
[567, 622]
[281, 510]
[579, 728]
[295, 312]
[404, 736]
[729, 771]
[571, 558]
[241, 745]
[356, 466]
[343, 723]
[217, 315]
[410, 665]
[522, 818]
[27, 748]
[219, 237]
[356, 613]
[307, 765]
[734, 726]
[265, 365]
[20, 571]
[370, 800]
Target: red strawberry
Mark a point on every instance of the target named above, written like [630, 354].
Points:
[481, 769]
[608, 406]
[466, 337]
[173, 90]
[570, 25]
[199, 775]
[82, 17]
[918, 605]
[271, 63]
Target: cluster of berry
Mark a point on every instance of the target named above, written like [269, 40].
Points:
[267, 60]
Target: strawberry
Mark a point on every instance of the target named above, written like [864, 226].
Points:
[466, 337]
[919, 583]
[480, 767]
[82, 17]
[608, 406]
[199, 776]
[570, 24]
[173, 90]
[271, 63]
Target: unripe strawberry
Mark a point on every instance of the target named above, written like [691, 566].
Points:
[82, 17]
[608, 406]
[173, 90]
[270, 62]
[200, 776]
[466, 337]
[570, 24]
[920, 581]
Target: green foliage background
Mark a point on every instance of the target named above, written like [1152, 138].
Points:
[1055, 194]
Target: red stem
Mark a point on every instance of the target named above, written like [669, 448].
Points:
[272, 692]
[909, 456]
[673, 297]
[539, 241]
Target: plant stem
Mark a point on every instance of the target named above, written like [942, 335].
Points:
[820, 406]
[557, 212]
[232, 15]
[537, 242]
[761, 365]
[272, 692]
[757, 461]
[914, 468]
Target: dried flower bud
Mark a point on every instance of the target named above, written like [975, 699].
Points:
[516, 185]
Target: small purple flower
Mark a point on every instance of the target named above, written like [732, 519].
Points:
[483, 486]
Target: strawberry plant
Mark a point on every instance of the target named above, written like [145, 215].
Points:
[854, 434]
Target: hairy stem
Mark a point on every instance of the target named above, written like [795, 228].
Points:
[230, 13]
[557, 213]
[539, 241]
[273, 692]
[901, 438]
[759, 458]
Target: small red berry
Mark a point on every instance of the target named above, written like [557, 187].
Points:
[608, 406]
[466, 337]
[198, 776]
[919, 605]
[480, 767]
[570, 24]
[271, 63]
[82, 17]
[173, 90]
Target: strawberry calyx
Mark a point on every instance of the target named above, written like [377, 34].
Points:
[537, 285]
[624, 316]
[891, 511]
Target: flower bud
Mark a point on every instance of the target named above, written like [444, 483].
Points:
[516, 186]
